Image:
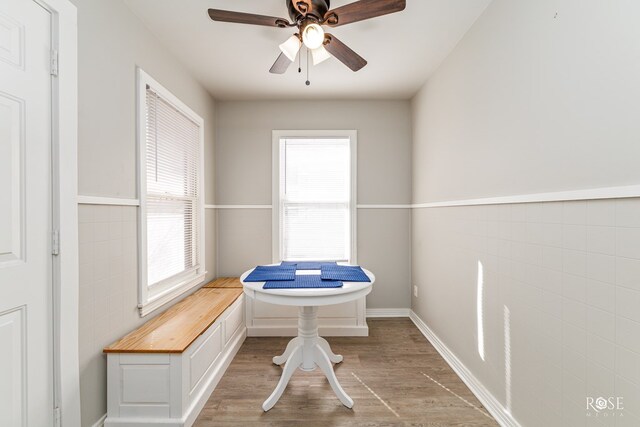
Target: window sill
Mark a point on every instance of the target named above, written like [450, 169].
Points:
[160, 300]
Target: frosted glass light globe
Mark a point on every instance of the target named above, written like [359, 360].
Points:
[313, 36]
[320, 55]
[291, 47]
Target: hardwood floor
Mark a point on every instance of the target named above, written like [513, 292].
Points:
[395, 377]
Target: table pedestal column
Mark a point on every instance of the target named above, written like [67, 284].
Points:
[307, 351]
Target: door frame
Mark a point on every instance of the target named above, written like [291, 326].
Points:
[64, 152]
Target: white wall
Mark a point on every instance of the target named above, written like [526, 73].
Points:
[112, 42]
[539, 96]
[558, 314]
[243, 176]
[529, 103]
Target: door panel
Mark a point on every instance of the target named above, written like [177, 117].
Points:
[11, 178]
[26, 308]
[11, 41]
[12, 368]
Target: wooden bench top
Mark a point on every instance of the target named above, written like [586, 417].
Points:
[177, 328]
[225, 282]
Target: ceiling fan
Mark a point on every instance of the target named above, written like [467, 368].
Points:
[309, 16]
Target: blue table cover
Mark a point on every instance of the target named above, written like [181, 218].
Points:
[272, 273]
[344, 273]
[308, 265]
[303, 281]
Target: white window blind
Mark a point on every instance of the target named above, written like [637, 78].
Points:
[172, 192]
[316, 200]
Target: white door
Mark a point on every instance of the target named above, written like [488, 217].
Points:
[26, 320]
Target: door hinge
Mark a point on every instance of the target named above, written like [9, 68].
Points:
[57, 416]
[55, 242]
[54, 62]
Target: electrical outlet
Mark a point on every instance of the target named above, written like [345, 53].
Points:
[415, 291]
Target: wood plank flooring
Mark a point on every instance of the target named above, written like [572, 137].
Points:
[392, 376]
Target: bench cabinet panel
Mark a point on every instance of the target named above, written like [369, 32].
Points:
[146, 390]
[205, 355]
[233, 322]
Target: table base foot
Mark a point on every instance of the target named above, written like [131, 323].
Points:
[293, 344]
[324, 363]
[320, 359]
[297, 341]
[307, 352]
[324, 344]
[295, 359]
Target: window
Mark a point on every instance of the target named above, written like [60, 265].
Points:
[171, 205]
[314, 196]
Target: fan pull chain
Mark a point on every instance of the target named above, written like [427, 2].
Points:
[308, 81]
[300, 62]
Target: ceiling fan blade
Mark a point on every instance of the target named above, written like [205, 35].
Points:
[281, 65]
[361, 10]
[344, 53]
[247, 18]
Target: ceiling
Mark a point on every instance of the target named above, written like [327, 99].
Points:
[232, 60]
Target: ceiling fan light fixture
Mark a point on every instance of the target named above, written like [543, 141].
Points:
[291, 47]
[313, 36]
[320, 55]
[309, 16]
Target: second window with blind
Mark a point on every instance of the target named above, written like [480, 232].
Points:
[314, 196]
[171, 196]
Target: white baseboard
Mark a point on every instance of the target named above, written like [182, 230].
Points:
[493, 405]
[388, 312]
[292, 331]
[100, 422]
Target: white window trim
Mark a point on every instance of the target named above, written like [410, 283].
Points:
[277, 137]
[148, 302]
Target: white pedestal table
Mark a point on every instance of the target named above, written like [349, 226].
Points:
[308, 350]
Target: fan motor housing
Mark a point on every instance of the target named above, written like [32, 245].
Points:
[316, 8]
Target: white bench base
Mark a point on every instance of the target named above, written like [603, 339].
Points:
[340, 320]
[170, 390]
